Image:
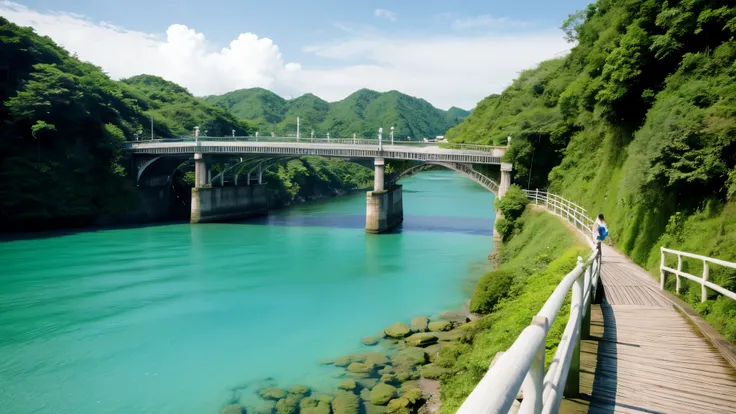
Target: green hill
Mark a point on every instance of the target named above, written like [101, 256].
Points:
[361, 113]
[179, 111]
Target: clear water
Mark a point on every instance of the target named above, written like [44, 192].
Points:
[184, 319]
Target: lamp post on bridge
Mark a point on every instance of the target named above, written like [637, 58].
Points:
[380, 139]
[328, 137]
[392, 135]
[297, 129]
[353, 138]
[196, 134]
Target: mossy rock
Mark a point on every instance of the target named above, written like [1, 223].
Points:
[457, 317]
[369, 408]
[321, 408]
[440, 326]
[433, 351]
[324, 398]
[382, 393]
[388, 378]
[408, 374]
[347, 385]
[346, 403]
[420, 324]
[421, 339]
[361, 368]
[307, 402]
[410, 357]
[272, 393]
[288, 405]
[369, 382]
[343, 361]
[266, 407]
[233, 409]
[375, 358]
[365, 394]
[300, 390]
[432, 371]
[398, 330]
[386, 370]
[450, 336]
[399, 406]
[369, 340]
[413, 394]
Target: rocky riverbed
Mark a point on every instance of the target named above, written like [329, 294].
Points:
[401, 376]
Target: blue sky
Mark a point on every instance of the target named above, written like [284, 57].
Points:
[451, 53]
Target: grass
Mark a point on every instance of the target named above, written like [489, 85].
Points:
[537, 258]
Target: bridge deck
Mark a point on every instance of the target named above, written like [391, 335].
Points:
[645, 356]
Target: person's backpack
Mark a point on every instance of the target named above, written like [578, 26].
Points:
[602, 232]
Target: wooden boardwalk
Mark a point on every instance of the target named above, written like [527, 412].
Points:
[645, 356]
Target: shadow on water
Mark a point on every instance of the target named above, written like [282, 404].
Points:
[435, 224]
[45, 234]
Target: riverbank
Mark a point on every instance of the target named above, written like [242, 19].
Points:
[408, 360]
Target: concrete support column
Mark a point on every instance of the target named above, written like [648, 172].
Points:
[379, 174]
[260, 174]
[384, 210]
[200, 171]
[506, 169]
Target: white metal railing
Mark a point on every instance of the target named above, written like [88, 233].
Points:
[344, 141]
[521, 367]
[702, 280]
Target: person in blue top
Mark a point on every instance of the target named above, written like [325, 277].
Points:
[600, 228]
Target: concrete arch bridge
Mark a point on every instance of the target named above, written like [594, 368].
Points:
[237, 189]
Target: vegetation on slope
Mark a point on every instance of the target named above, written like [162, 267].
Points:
[533, 262]
[361, 113]
[638, 122]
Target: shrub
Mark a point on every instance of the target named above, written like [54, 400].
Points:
[491, 288]
[513, 203]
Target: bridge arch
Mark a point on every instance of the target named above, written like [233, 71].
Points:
[464, 169]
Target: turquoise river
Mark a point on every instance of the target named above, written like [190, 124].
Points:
[185, 318]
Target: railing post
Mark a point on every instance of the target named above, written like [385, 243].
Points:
[661, 268]
[533, 385]
[572, 385]
[703, 292]
[588, 290]
[677, 276]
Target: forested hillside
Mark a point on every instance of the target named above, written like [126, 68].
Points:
[64, 122]
[361, 113]
[637, 122]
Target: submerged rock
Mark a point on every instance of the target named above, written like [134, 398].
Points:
[343, 361]
[369, 340]
[421, 339]
[361, 368]
[410, 357]
[299, 390]
[420, 324]
[346, 403]
[266, 407]
[440, 326]
[347, 385]
[233, 409]
[398, 330]
[382, 393]
[272, 393]
[325, 398]
[288, 405]
[458, 317]
[369, 382]
[433, 351]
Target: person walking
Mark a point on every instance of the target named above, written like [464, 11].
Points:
[600, 228]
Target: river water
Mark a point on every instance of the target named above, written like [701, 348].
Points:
[184, 319]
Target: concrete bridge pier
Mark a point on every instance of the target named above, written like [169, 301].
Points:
[505, 183]
[384, 207]
[212, 204]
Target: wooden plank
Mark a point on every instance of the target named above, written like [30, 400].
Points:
[645, 356]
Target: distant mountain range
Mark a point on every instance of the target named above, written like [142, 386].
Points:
[361, 113]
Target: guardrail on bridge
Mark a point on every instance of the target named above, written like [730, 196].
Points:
[521, 367]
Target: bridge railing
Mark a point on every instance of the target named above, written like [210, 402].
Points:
[343, 141]
[521, 367]
[702, 280]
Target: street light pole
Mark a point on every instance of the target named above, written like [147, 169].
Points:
[297, 129]
[151, 127]
[380, 139]
[392, 135]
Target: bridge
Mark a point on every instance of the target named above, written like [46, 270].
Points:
[224, 196]
[628, 346]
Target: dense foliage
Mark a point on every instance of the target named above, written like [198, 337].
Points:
[511, 206]
[638, 122]
[361, 113]
[178, 111]
[532, 264]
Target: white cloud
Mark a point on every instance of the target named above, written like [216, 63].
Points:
[445, 70]
[487, 22]
[386, 14]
